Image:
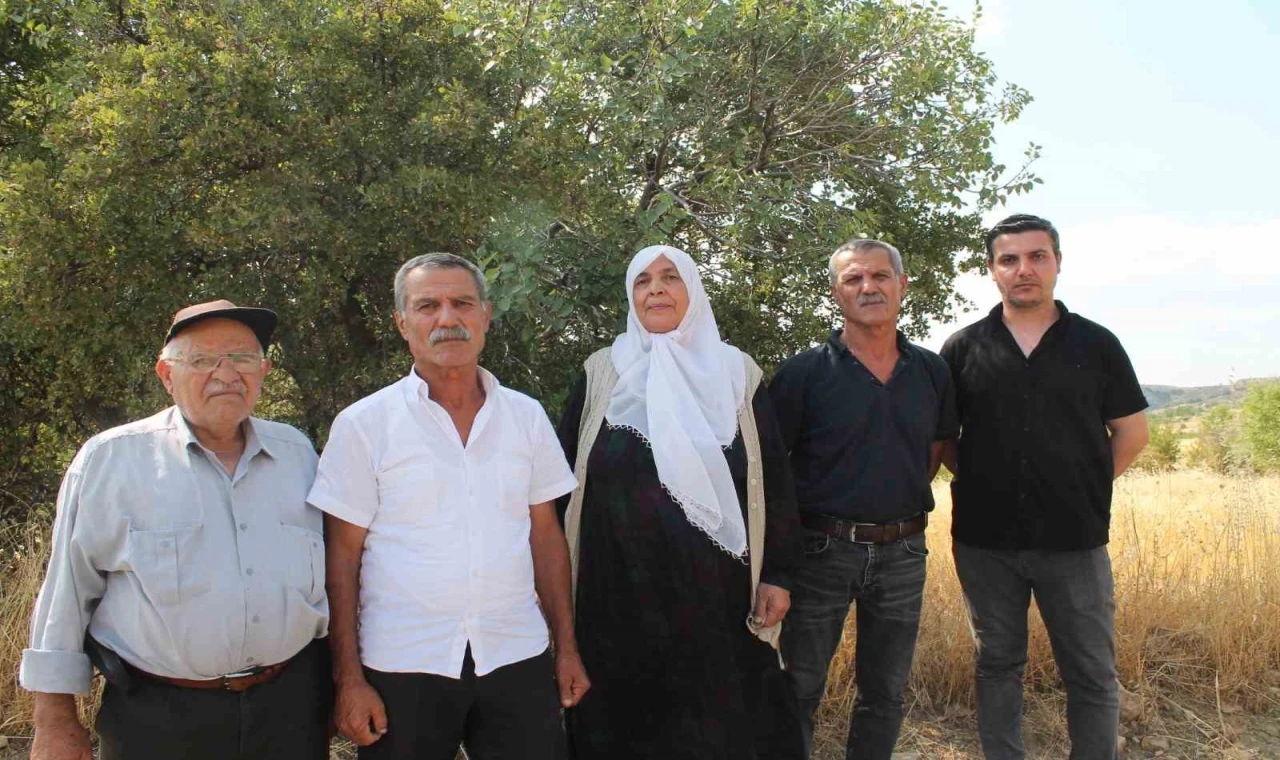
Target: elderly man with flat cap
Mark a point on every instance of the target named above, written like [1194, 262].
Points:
[185, 549]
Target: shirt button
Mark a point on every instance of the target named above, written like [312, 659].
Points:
[251, 660]
[164, 544]
[257, 619]
[244, 526]
[754, 481]
[248, 571]
[755, 506]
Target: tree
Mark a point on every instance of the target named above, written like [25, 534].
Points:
[1162, 451]
[1260, 422]
[292, 153]
[1217, 446]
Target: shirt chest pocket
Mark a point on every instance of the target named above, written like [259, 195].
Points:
[305, 548]
[516, 473]
[408, 494]
[167, 563]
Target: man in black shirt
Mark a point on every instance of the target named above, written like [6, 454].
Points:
[1051, 413]
[863, 416]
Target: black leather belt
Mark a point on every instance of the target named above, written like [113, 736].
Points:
[865, 533]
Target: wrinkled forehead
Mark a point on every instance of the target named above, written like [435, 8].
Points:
[440, 282]
[645, 258]
[869, 259]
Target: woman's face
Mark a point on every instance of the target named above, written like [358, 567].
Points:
[660, 296]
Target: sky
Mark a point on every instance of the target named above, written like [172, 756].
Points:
[1160, 127]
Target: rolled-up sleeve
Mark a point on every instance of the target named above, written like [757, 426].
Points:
[55, 661]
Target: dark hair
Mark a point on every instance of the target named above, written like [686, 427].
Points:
[1012, 225]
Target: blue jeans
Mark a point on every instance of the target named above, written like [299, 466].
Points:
[1076, 597]
[886, 581]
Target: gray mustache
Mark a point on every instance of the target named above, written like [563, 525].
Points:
[441, 334]
[215, 386]
[870, 298]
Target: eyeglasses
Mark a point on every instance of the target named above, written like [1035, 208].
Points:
[243, 363]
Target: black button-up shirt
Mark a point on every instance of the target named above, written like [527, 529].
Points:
[860, 448]
[1035, 454]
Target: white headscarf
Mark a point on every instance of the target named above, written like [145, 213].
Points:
[681, 391]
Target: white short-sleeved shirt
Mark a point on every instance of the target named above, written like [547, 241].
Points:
[446, 560]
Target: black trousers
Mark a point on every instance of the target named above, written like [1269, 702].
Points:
[512, 713]
[284, 719]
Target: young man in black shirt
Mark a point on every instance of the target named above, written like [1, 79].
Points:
[863, 416]
[1051, 413]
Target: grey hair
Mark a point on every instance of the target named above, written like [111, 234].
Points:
[173, 349]
[859, 245]
[436, 261]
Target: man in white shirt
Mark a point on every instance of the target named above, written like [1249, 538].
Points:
[183, 543]
[440, 527]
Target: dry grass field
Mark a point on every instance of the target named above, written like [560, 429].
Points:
[1197, 566]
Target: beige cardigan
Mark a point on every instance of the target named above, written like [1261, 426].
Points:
[601, 377]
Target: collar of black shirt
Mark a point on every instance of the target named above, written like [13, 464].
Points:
[836, 343]
[997, 313]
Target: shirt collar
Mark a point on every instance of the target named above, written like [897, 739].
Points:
[836, 344]
[997, 312]
[253, 443]
[416, 388]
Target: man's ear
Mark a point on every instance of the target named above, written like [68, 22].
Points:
[399, 318]
[163, 371]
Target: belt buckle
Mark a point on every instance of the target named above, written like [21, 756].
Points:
[853, 532]
[244, 673]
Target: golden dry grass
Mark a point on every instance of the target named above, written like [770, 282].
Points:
[1196, 559]
[1197, 566]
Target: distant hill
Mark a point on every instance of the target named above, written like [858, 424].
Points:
[1170, 396]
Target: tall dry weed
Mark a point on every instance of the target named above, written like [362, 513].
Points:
[24, 553]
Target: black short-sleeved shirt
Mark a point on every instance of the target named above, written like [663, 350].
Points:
[1035, 454]
[859, 448]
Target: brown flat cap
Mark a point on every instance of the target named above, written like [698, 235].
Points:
[261, 321]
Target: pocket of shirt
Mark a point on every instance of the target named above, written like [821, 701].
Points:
[516, 473]
[306, 560]
[407, 493]
[166, 563]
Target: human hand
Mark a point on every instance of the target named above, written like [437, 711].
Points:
[359, 713]
[571, 677]
[772, 603]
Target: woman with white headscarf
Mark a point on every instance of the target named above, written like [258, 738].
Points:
[682, 532]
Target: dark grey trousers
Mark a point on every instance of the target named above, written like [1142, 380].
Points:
[1076, 597]
[284, 719]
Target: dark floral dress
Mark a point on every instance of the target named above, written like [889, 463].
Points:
[661, 610]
